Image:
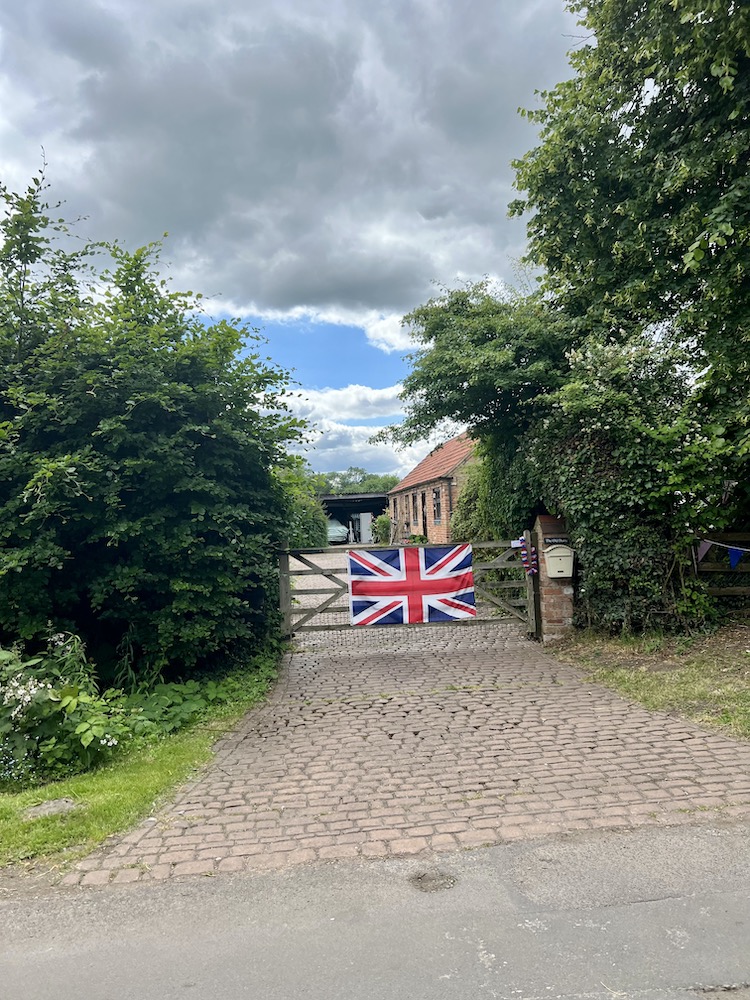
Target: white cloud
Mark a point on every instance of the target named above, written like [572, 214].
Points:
[382, 331]
[338, 446]
[389, 335]
[353, 402]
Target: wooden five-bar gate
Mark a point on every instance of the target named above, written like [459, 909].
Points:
[314, 587]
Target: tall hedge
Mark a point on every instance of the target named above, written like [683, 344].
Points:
[138, 502]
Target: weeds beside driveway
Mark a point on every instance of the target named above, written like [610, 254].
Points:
[115, 797]
[704, 678]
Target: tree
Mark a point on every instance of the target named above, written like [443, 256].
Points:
[307, 523]
[484, 358]
[610, 434]
[356, 480]
[639, 190]
[138, 503]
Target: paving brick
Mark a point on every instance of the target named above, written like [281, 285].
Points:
[230, 865]
[409, 845]
[157, 873]
[244, 850]
[379, 742]
[176, 857]
[127, 875]
[443, 842]
[72, 878]
[339, 851]
[100, 877]
[374, 849]
[193, 868]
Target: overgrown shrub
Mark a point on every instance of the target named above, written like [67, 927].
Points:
[381, 529]
[53, 722]
[496, 499]
[624, 454]
[138, 503]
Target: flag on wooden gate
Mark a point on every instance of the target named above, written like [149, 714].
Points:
[404, 586]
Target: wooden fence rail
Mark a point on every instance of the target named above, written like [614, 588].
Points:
[723, 542]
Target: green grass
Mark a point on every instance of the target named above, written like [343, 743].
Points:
[705, 679]
[114, 798]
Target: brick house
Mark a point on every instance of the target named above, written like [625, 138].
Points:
[422, 503]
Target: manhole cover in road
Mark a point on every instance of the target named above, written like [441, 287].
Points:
[433, 881]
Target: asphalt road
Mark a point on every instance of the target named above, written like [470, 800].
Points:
[653, 914]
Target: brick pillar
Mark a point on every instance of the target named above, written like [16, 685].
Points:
[555, 595]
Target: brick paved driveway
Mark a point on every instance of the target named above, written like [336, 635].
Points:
[401, 742]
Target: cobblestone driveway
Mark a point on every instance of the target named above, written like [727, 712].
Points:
[405, 741]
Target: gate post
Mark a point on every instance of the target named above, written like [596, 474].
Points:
[285, 594]
[555, 593]
[532, 590]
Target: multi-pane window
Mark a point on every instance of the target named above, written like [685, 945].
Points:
[436, 506]
[414, 507]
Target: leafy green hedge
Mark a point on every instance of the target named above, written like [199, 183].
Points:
[140, 499]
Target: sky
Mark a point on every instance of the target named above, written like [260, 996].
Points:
[322, 167]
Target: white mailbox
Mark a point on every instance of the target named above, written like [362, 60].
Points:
[559, 560]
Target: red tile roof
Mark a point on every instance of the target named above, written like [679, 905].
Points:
[440, 463]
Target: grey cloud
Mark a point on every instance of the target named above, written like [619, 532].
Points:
[335, 155]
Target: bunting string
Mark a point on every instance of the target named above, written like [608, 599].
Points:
[723, 545]
[736, 552]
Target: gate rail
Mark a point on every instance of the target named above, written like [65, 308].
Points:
[512, 600]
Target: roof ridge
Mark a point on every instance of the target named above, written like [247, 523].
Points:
[439, 463]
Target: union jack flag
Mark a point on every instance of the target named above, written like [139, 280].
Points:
[404, 586]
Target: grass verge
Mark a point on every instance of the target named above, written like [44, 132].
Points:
[704, 678]
[115, 797]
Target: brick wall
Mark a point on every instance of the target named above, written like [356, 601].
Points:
[555, 593]
[438, 531]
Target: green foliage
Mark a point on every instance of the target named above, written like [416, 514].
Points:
[639, 189]
[355, 480]
[625, 453]
[40, 290]
[639, 184]
[53, 722]
[138, 506]
[497, 499]
[381, 529]
[306, 518]
[484, 361]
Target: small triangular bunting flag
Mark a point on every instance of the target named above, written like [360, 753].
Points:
[734, 557]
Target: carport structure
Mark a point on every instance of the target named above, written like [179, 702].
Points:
[356, 511]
